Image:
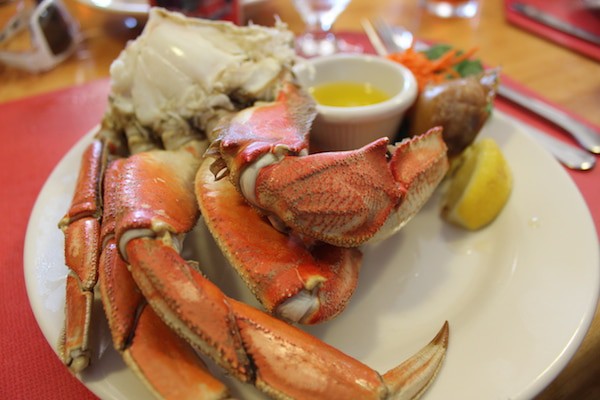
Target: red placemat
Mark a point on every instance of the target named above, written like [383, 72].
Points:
[36, 134]
[571, 11]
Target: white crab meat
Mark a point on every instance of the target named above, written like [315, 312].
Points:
[182, 69]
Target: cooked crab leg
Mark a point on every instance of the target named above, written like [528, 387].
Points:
[298, 283]
[168, 365]
[255, 347]
[81, 227]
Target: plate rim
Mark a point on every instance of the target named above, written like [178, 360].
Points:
[140, 9]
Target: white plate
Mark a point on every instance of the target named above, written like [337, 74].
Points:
[132, 7]
[519, 295]
[126, 7]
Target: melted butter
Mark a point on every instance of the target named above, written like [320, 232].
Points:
[347, 94]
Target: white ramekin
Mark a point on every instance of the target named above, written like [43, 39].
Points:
[346, 128]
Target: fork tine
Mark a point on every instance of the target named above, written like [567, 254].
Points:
[374, 38]
[384, 39]
[386, 34]
[394, 41]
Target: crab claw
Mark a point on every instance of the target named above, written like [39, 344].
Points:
[341, 198]
[280, 127]
[299, 283]
[346, 198]
[419, 165]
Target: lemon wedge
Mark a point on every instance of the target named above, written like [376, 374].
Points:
[479, 187]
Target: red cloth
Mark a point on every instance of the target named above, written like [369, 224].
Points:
[36, 133]
[570, 11]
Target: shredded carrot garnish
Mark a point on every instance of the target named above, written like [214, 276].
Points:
[431, 71]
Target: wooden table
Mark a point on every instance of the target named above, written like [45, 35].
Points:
[573, 82]
[562, 76]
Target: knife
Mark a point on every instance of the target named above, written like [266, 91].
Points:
[588, 138]
[550, 20]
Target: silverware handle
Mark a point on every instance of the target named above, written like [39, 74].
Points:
[587, 137]
[570, 156]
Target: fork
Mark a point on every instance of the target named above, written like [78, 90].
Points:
[385, 40]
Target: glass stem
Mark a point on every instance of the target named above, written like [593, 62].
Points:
[319, 30]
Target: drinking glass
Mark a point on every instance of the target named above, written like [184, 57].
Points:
[318, 39]
[451, 8]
